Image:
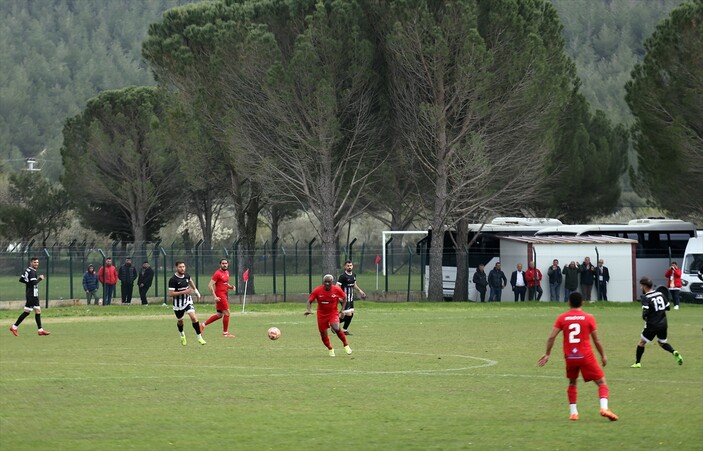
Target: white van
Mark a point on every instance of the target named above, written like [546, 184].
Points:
[692, 286]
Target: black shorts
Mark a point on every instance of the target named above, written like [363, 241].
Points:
[648, 334]
[348, 306]
[181, 313]
[32, 303]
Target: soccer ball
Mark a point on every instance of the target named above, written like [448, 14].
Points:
[274, 333]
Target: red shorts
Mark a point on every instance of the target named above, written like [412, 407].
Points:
[222, 304]
[325, 321]
[589, 368]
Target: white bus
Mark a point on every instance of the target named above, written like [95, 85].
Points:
[660, 241]
[484, 249]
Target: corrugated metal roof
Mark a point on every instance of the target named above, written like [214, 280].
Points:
[556, 239]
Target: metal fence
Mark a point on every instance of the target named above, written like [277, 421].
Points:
[279, 268]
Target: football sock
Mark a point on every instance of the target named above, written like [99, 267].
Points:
[573, 410]
[196, 328]
[326, 341]
[37, 318]
[180, 328]
[572, 394]
[347, 322]
[225, 323]
[667, 347]
[211, 320]
[603, 395]
[21, 318]
[639, 353]
[340, 334]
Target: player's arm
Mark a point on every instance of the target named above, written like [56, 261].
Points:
[173, 293]
[550, 344]
[308, 307]
[211, 287]
[599, 347]
[361, 292]
[194, 289]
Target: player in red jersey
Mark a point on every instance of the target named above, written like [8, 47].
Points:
[578, 328]
[219, 285]
[328, 296]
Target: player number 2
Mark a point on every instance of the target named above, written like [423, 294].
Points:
[575, 329]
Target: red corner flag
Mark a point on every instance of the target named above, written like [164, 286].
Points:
[245, 276]
[378, 259]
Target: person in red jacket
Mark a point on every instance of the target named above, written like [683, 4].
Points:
[673, 277]
[107, 274]
[534, 282]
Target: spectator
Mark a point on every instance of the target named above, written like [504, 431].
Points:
[519, 283]
[571, 279]
[588, 275]
[602, 279]
[534, 282]
[481, 281]
[127, 275]
[496, 282]
[146, 277]
[555, 278]
[673, 275]
[91, 284]
[107, 274]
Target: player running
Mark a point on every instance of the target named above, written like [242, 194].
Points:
[347, 281]
[655, 303]
[180, 288]
[31, 293]
[578, 328]
[219, 285]
[328, 296]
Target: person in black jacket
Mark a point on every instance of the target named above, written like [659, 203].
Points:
[602, 279]
[655, 303]
[481, 281]
[518, 281]
[127, 275]
[146, 277]
[555, 278]
[496, 281]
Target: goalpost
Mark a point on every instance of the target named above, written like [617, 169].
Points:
[386, 233]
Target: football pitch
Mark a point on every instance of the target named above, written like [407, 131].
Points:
[422, 376]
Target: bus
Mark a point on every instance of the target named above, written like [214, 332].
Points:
[659, 241]
[484, 248]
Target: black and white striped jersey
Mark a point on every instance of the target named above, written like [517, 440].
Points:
[30, 279]
[347, 282]
[178, 283]
[654, 306]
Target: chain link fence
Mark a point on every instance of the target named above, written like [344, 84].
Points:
[280, 271]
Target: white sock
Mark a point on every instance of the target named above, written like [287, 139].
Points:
[183, 334]
[604, 403]
[573, 410]
[200, 336]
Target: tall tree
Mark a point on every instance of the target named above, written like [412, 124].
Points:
[477, 87]
[666, 98]
[117, 156]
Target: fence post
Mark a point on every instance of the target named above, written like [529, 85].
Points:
[296, 256]
[285, 275]
[410, 267]
[155, 254]
[71, 249]
[165, 283]
[235, 252]
[53, 262]
[310, 264]
[48, 261]
[351, 245]
[264, 248]
[273, 263]
[361, 259]
[197, 255]
[385, 261]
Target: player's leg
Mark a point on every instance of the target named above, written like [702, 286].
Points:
[603, 394]
[663, 342]
[179, 324]
[572, 373]
[196, 325]
[225, 324]
[37, 319]
[646, 337]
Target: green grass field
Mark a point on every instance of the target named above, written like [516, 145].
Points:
[422, 376]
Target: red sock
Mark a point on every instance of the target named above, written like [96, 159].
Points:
[603, 391]
[212, 319]
[342, 337]
[326, 341]
[225, 323]
[572, 393]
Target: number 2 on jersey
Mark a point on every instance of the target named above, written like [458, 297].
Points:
[575, 330]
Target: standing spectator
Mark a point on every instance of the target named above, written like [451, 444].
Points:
[602, 279]
[534, 282]
[347, 282]
[518, 282]
[218, 286]
[555, 278]
[588, 275]
[571, 279]
[481, 281]
[91, 284]
[31, 280]
[180, 288]
[107, 274]
[578, 328]
[127, 275]
[328, 296]
[655, 303]
[673, 275]
[496, 281]
[146, 277]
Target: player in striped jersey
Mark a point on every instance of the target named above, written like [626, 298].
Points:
[655, 303]
[347, 281]
[180, 288]
[31, 280]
